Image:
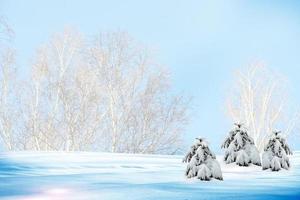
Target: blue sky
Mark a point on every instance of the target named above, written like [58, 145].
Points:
[202, 42]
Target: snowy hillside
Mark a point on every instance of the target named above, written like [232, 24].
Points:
[43, 176]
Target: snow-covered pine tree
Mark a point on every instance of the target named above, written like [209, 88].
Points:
[240, 148]
[202, 162]
[275, 153]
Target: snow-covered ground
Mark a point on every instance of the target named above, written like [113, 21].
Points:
[59, 175]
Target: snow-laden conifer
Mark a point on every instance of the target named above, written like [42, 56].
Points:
[276, 153]
[202, 162]
[240, 148]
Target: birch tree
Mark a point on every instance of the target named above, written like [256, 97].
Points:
[105, 94]
[259, 99]
[7, 112]
[8, 117]
[141, 116]
[49, 124]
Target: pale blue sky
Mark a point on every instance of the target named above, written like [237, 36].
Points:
[202, 42]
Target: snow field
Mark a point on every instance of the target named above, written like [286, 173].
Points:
[84, 175]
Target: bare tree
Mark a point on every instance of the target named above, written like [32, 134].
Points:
[259, 99]
[7, 113]
[104, 94]
[52, 74]
[141, 115]
[8, 117]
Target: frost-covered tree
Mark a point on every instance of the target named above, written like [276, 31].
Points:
[240, 148]
[202, 162]
[275, 153]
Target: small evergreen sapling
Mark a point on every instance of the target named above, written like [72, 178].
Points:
[202, 162]
[240, 148]
[275, 153]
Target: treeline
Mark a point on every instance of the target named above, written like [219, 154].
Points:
[106, 93]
